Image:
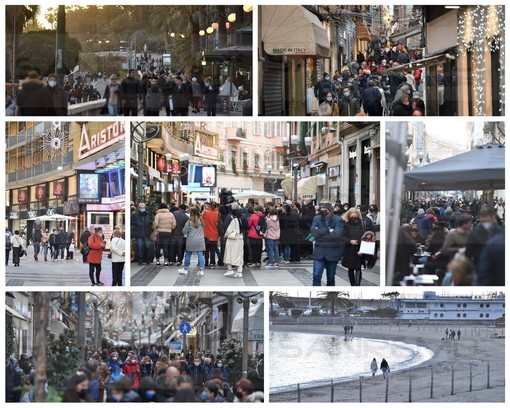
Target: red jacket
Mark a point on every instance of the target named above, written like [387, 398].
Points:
[252, 223]
[96, 249]
[132, 371]
[211, 218]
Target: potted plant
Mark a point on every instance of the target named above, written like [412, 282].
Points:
[234, 167]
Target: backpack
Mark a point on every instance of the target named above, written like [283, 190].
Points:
[261, 227]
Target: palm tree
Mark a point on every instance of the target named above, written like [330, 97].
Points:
[280, 298]
[333, 299]
[16, 19]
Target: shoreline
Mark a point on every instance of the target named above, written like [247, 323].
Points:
[474, 347]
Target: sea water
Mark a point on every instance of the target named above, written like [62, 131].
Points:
[311, 359]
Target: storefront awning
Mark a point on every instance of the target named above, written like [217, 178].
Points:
[306, 188]
[14, 313]
[422, 63]
[293, 31]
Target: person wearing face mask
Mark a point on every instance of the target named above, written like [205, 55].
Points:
[323, 87]
[141, 229]
[146, 367]
[351, 237]
[147, 390]
[132, 371]
[244, 392]
[272, 239]
[402, 106]
[329, 107]
[328, 251]
[348, 105]
[55, 97]
[77, 387]
[197, 374]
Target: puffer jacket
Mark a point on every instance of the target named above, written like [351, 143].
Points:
[164, 221]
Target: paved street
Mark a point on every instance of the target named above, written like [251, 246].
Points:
[294, 274]
[59, 273]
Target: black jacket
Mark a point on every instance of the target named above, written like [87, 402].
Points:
[289, 228]
[32, 98]
[141, 224]
[372, 101]
[181, 95]
[352, 231]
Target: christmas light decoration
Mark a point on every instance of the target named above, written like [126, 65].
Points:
[480, 31]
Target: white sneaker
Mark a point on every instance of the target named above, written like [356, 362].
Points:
[183, 271]
[200, 273]
[229, 273]
[238, 275]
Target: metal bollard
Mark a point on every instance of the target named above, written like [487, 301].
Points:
[431, 382]
[488, 374]
[332, 392]
[298, 394]
[470, 376]
[387, 388]
[360, 389]
[453, 380]
[410, 389]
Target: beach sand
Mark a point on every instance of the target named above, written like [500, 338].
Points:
[475, 346]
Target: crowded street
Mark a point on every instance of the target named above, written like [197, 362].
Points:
[135, 347]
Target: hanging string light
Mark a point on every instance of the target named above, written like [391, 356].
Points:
[210, 30]
[480, 31]
[248, 8]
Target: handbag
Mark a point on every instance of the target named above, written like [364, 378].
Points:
[71, 248]
[85, 249]
[154, 236]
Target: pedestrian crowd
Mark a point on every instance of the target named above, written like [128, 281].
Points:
[462, 242]
[150, 89]
[60, 245]
[375, 83]
[235, 236]
[143, 374]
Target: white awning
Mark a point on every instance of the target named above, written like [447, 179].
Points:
[255, 316]
[307, 187]
[293, 31]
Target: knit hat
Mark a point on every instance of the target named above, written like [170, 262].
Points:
[327, 206]
[421, 211]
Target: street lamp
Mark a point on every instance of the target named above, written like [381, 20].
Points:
[141, 137]
[293, 153]
[97, 302]
[246, 300]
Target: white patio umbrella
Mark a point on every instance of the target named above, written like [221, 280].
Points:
[253, 194]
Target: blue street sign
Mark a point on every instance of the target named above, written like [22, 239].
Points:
[185, 327]
[74, 307]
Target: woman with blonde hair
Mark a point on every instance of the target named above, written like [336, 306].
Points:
[195, 241]
[118, 250]
[351, 237]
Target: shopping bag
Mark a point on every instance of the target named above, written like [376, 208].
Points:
[367, 248]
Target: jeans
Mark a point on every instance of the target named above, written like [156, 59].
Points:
[318, 270]
[54, 251]
[211, 250]
[142, 245]
[113, 110]
[37, 248]
[286, 252]
[272, 251]
[46, 248]
[7, 252]
[187, 259]
[164, 239]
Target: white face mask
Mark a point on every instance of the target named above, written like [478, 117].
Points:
[52, 84]
[197, 363]
[133, 361]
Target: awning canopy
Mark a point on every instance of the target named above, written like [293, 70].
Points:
[253, 194]
[306, 187]
[435, 59]
[293, 31]
[255, 316]
[482, 168]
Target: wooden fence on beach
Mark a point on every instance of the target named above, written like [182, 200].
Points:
[425, 383]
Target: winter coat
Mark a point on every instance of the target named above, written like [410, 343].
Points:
[56, 100]
[197, 373]
[154, 99]
[372, 101]
[373, 366]
[195, 241]
[118, 248]
[160, 365]
[210, 95]
[273, 228]
[103, 375]
[196, 89]
[327, 244]
[133, 372]
[289, 229]
[31, 98]
[211, 227]
[181, 95]
[424, 224]
[146, 369]
[180, 221]
[349, 106]
[164, 221]
[96, 249]
[477, 238]
[490, 268]
[252, 223]
[322, 88]
[131, 89]
[118, 90]
[352, 231]
[141, 224]
[234, 244]
[401, 110]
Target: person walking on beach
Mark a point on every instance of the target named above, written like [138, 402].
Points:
[374, 367]
[458, 334]
[385, 367]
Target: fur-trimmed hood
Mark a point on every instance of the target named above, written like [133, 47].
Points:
[31, 84]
